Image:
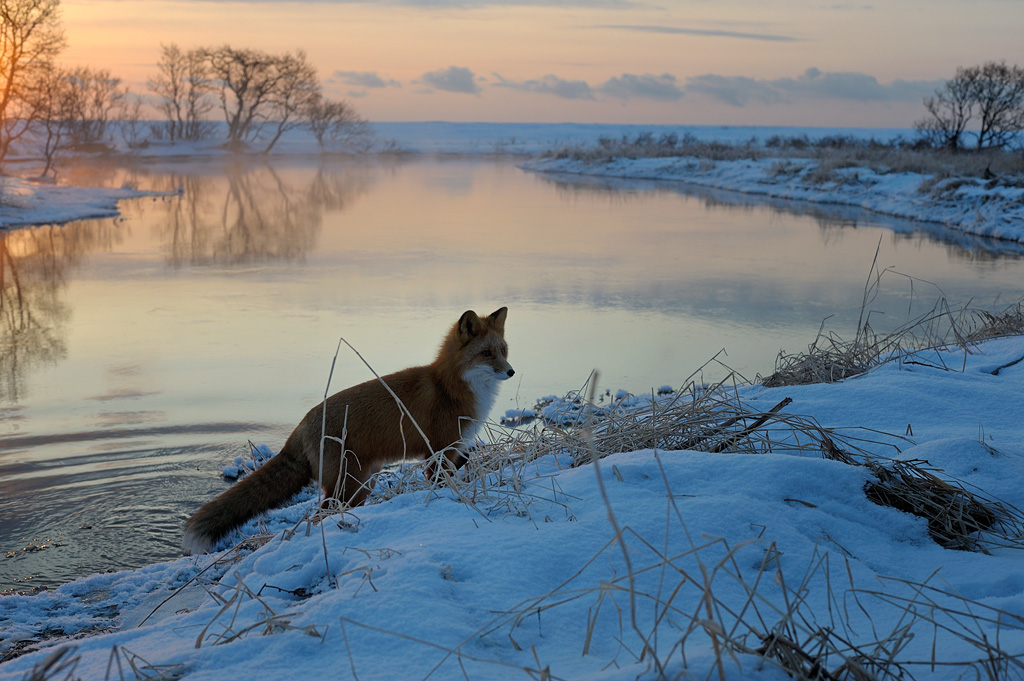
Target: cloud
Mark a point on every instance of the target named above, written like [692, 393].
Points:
[811, 84]
[452, 79]
[734, 90]
[629, 86]
[367, 79]
[551, 85]
[710, 33]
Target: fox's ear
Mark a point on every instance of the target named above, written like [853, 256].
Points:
[497, 319]
[469, 325]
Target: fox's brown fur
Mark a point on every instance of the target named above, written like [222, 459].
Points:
[447, 399]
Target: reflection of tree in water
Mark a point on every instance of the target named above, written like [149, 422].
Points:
[253, 214]
[34, 263]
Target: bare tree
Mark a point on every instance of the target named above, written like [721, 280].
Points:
[246, 84]
[51, 98]
[130, 118]
[949, 112]
[94, 97]
[184, 88]
[30, 37]
[997, 91]
[198, 96]
[169, 86]
[297, 87]
[990, 97]
[259, 93]
[335, 122]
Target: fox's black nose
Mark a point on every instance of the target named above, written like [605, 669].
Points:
[511, 373]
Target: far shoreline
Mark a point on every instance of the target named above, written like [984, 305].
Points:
[975, 206]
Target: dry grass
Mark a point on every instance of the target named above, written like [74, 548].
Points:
[647, 145]
[993, 167]
[227, 625]
[983, 325]
[829, 358]
[123, 665]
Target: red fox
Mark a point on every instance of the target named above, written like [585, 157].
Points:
[447, 399]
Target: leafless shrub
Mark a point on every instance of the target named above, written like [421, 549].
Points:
[336, 123]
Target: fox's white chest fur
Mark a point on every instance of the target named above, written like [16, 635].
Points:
[484, 382]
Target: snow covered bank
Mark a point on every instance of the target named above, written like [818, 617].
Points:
[971, 205]
[715, 563]
[25, 202]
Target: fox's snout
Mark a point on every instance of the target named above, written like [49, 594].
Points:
[502, 369]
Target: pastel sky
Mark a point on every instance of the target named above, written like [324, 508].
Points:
[705, 62]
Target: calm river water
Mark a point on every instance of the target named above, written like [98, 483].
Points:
[140, 355]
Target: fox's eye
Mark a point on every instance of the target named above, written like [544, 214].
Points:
[486, 353]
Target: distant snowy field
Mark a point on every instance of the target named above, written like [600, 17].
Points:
[717, 551]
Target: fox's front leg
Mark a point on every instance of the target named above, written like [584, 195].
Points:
[451, 460]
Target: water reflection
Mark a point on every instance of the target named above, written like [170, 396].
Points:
[34, 266]
[250, 214]
[247, 215]
[831, 218]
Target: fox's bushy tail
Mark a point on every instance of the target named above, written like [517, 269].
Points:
[269, 486]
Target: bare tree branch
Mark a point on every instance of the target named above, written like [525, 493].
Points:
[30, 38]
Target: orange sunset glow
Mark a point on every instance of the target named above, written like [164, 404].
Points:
[734, 62]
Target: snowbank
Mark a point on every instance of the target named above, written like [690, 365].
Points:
[573, 571]
[27, 202]
[970, 205]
